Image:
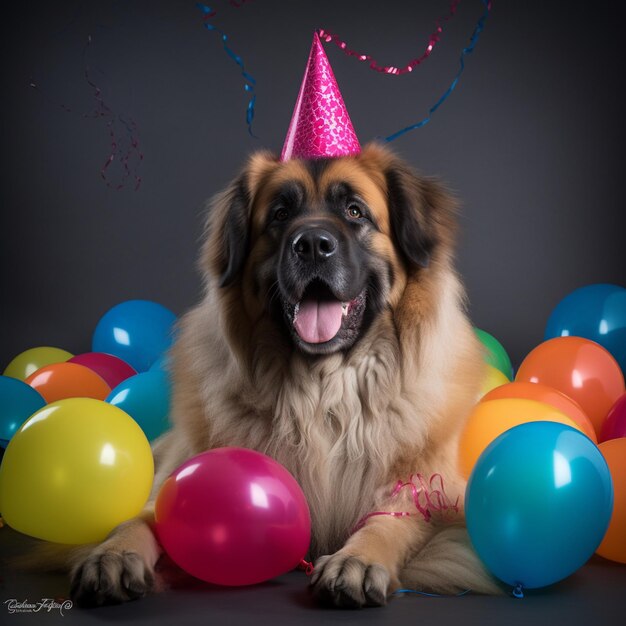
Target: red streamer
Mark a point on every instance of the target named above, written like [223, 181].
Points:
[124, 144]
[392, 69]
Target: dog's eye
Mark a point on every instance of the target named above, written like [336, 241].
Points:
[281, 215]
[354, 211]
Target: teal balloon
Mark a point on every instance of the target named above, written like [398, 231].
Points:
[146, 398]
[136, 331]
[538, 503]
[596, 312]
[18, 401]
[162, 363]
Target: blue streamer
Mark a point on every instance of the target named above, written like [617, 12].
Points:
[433, 595]
[480, 25]
[250, 81]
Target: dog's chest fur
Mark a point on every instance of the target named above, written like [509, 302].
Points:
[338, 423]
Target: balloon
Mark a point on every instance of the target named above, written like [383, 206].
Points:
[538, 503]
[110, 368]
[494, 378]
[614, 426]
[18, 401]
[74, 470]
[136, 331]
[596, 312]
[579, 368]
[233, 516]
[146, 398]
[613, 545]
[547, 395]
[496, 354]
[162, 363]
[490, 419]
[29, 361]
[68, 380]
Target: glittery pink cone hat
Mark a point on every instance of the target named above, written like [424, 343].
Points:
[320, 125]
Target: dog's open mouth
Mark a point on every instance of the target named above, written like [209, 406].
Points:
[319, 316]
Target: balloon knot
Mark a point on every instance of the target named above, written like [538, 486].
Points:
[518, 591]
[306, 566]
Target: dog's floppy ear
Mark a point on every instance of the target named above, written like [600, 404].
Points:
[419, 211]
[235, 234]
[227, 232]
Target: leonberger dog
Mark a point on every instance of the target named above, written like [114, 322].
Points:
[332, 336]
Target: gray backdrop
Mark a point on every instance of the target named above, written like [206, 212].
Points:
[531, 141]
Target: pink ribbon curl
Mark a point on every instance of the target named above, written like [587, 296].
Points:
[429, 496]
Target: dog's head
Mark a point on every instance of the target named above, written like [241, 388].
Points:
[324, 246]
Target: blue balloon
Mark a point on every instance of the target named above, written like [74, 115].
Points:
[596, 312]
[538, 503]
[18, 401]
[136, 331]
[162, 363]
[146, 398]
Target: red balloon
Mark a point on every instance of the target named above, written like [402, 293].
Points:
[111, 368]
[614, 425]
[233, 516]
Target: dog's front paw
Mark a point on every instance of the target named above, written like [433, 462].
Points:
[109, 576]
[346, 581]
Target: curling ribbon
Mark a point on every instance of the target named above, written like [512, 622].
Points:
[103, 111]
[391, 69]
[250, 82]
[480, 25]
[433, 595]
[428, 497]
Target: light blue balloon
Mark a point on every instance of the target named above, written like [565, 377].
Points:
[136, 331]
[596, 312]
[18, 401]
[538, 503]
[146, 398]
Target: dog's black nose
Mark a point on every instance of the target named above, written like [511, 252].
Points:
[314, 244]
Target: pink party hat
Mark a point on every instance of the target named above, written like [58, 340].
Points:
[320, 125]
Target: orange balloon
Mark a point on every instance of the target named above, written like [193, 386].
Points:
[613, 545]
[581, 369]
[68, 380]
[547, 395]
[491, 418]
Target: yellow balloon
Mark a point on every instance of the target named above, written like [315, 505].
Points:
[493, 378]
[491, 418]
[74, 470]
[29, 361]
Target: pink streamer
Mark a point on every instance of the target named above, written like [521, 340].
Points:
[428, 497]
[392, 69]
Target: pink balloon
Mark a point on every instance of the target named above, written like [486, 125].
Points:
[614, 425]
[107, 366]
[233, 516]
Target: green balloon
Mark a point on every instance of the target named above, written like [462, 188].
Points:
[496, 354]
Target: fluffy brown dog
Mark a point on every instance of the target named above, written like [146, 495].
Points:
[331, 336]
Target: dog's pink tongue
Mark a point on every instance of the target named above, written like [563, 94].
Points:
[318, 321]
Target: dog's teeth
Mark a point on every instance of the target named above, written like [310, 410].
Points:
[344, 308]
[295, 311]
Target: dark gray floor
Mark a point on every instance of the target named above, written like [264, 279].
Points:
[592, 596]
